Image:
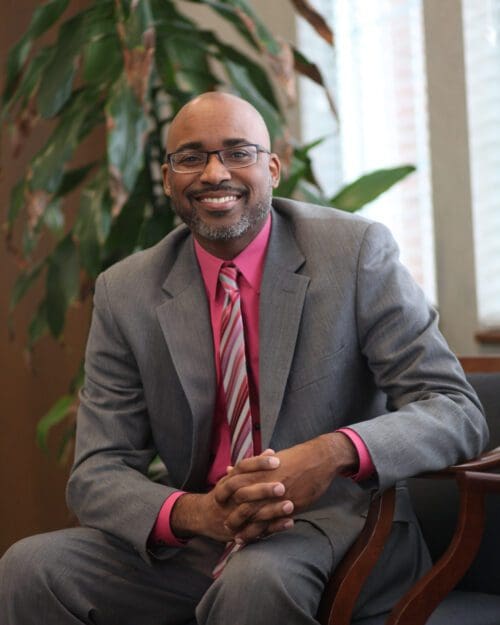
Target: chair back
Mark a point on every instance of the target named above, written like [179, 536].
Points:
[436, 502]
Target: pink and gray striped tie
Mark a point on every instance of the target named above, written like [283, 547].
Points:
[234, 367]
[235, 380]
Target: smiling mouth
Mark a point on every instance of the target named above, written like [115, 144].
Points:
[218, 200]
[221, 200]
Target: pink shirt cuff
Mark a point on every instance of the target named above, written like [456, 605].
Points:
[366, 468]
[162, 534]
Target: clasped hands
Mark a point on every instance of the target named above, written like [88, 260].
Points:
[259, 495]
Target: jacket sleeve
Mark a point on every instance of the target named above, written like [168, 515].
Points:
[109, 488]
[434, 418]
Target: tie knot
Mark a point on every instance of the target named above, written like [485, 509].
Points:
[228, 278]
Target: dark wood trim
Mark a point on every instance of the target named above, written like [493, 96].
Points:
[480, 364]
[344, 586]
[488, 337]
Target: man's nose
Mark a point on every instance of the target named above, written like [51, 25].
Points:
[215, 171]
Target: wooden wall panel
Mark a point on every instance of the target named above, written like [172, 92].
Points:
[31, 484]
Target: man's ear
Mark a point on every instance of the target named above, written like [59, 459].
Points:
[274, 169]
[166, 184]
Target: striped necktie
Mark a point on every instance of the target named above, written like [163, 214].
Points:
[235, 381]
[234, 367]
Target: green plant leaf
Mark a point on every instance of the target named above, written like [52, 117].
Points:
[43, 18]
[255, 72]
[29, 81]
[124, 232]
[315, 19]
[103, 60]
[17, 201]
[300, 169]
[242, 16]
[93, 223]
[264, 35]
[231, 15]
[15, 61]
[367, 188]
[55, 415]
[166, 12]
[30, 240]
[77, 380]
[305, 67]
[23, 283]
[312, 193]
[139, 20]
[240, 78]
[154, 228]
[53, 217]
[72, 178]
[301, 153]
[127, 125]
[181, 53]
[56, 86]
[185, 61]
[62, 283]
[38, 325]
[48, 164]
[66, 444]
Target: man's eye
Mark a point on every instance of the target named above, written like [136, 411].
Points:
[238, 155]
[189, 159]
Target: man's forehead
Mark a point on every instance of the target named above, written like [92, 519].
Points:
[226, 121]
[222, 142]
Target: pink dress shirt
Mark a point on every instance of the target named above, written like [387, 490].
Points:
[250, 263]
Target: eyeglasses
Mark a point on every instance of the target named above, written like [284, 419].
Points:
[195, 161]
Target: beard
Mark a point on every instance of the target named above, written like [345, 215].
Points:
[250, 217]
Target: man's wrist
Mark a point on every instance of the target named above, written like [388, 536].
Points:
[345, 458]
[184, 517]
[162, 534]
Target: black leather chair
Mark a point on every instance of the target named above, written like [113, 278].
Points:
[459, 512]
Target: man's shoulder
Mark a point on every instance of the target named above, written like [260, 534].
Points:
[317, 215]
[311, 222]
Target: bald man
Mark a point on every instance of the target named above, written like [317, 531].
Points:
[350, 388]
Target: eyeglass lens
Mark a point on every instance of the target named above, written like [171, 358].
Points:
[232, 158]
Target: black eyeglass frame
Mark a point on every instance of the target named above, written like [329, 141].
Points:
[208, 153]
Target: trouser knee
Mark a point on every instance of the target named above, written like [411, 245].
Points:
[256, 586]
[20, 568]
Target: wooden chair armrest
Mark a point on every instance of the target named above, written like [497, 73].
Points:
[419, 603]
[345, 584]
[485, 462]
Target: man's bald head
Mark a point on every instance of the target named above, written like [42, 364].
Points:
[219, 110]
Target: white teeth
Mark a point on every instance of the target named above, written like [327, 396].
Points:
[219, 200]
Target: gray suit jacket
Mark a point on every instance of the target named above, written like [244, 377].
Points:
[346, 338]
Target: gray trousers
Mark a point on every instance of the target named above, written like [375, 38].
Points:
[83, 575]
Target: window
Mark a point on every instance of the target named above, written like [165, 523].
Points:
[482, 57]
[377, 76]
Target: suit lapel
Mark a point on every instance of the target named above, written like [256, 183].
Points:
[185, 322]
[281, 302]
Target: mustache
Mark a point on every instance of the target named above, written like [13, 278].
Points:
[216, 188]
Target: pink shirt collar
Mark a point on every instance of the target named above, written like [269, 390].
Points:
[250, 261]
